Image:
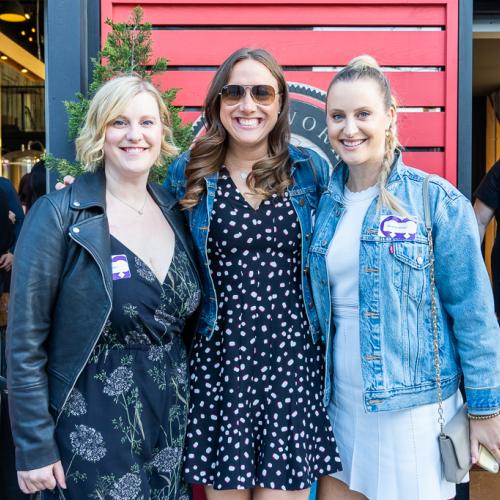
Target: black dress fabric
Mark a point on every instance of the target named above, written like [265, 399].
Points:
[121, 431]
[256, 417]
[489, 193]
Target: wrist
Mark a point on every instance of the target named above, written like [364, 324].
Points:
[483, 417]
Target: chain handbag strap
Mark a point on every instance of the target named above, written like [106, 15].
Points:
[432, 275]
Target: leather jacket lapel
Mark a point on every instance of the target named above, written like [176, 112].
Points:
[175, 218]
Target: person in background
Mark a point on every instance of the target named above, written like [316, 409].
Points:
[487, 206]
[6, 231]
[33, 185]
[257, 427]
[38, 180]
[17, 216]
[25, 192]
[103, 289]
[369, 266]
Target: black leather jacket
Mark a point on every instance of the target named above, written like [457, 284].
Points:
[60, 301]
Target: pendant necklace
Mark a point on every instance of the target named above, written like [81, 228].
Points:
[242, 175]
[139, 211]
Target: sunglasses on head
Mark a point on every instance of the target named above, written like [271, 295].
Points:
[261, 94]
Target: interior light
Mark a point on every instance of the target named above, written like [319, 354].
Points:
[23, 33]
[12, 11]
[3, 57]
[24, 70]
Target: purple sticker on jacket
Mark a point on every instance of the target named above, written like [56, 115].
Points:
[398, 228]
[119, 267]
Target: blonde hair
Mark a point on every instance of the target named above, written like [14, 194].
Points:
[365, 66]
[107, 104]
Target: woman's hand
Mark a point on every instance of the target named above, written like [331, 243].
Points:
[45, 478]
[6, 261]
[486, 432]
[67, 181]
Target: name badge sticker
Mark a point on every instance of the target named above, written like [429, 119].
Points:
[119, 267]
[398, 228]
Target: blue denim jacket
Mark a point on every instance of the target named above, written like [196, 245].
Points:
[309, 173]
[396, 337]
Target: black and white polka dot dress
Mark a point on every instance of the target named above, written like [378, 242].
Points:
[256, 417]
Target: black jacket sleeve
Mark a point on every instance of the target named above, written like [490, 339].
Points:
[38, 264]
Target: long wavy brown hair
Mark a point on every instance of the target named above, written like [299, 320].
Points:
[269, 175]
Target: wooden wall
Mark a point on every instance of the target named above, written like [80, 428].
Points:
[417, 41]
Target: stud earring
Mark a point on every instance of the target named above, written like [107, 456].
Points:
[387, 133]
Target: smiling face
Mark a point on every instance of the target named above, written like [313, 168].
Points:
[357, 121]
[133, 140]
[248, 123]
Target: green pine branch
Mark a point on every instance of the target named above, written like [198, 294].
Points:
[128, 48]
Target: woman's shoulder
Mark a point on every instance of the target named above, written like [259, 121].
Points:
[310, 160]
[163, 195]
[178, 165]
[438, 186]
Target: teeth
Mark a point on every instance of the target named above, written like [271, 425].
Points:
[248, 122]
[352, 143]
[133, 150]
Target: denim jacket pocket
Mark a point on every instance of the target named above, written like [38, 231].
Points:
[409, 267]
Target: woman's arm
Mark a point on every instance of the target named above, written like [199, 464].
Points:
[465, 293]
[40, 257]
[484, 214]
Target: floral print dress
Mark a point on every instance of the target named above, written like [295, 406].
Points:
[121, 431]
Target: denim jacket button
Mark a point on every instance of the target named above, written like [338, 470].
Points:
[308, 236]
[302, 202]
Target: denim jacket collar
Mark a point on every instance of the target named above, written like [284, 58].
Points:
[340, 175]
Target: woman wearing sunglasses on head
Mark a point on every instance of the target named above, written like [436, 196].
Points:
[257, 427]
[372, 269]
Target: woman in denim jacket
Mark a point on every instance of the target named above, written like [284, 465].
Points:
[369, 267]
[257, 423]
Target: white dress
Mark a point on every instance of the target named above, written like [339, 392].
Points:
[385, 455]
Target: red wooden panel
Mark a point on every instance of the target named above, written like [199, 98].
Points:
[216, 14]
[433, 163]
[412, 89]
[303, 48]
[451, 92]
[421, 129]
[415, 129]
[353, 3]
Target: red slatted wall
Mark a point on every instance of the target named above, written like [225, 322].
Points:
[417, 40]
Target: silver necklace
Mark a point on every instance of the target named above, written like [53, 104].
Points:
[243, 175]
[139, 211]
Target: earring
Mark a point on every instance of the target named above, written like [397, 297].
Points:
[387, 133]
[279, 113]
